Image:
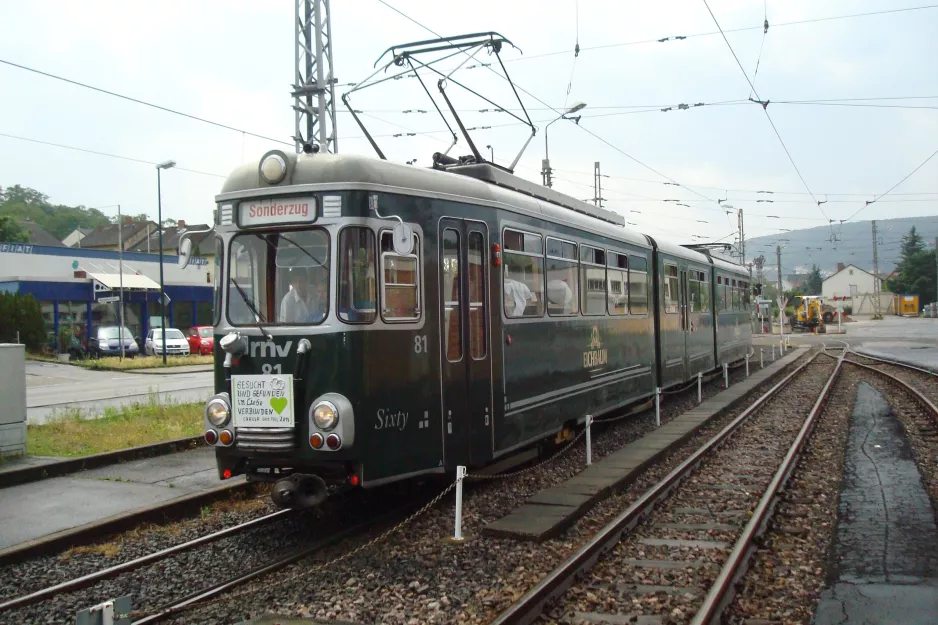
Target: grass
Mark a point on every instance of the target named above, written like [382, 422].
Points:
[75, 434]
[129, 364]
[142, 362]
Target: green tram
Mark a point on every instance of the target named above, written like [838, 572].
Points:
[376, 322]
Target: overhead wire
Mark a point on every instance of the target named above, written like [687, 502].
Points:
[881, 195]
[766, 111]
[107, 154]
[729, 30]
[143, 102]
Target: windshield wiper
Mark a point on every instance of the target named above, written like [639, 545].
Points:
[257, 316]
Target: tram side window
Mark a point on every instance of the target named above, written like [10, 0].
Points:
[593, 279]
[670, 289]
[704, 291]
[638, 285]
[721, 295]
[744, 292]
[358, 297]
[561, 278]
[693, 290]
[735, 288]
[219, 251]
[523, 260]
[400, 280]
[618, 283]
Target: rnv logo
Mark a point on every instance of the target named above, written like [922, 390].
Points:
[267, 349]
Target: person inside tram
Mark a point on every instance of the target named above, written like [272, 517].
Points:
[303, 304]
[559, 297]
[517, 297]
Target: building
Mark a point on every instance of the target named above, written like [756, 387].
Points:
[109, 237]
[37, 235]
[75, 236]
[70, 283]
[851, 283]
[171, 237]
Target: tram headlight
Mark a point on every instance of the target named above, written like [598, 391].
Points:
[273, 168]
[325, 415]
[217, 411]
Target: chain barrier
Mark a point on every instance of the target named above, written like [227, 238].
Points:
[501, 476]
[316, 569]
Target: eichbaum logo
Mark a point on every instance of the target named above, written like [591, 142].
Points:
[596, 356]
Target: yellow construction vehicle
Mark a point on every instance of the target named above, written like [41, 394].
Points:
[810, 315]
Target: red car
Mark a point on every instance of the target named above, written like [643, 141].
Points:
[201, 340]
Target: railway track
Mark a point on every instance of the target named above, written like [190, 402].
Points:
[700, 521]
[227, 587]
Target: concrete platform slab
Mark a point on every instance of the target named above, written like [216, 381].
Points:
[33, 510]
[37, 509]
[619, 468]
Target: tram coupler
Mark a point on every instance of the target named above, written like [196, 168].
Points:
[299, 491]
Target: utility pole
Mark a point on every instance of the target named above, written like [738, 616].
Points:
[314, 88]
[742, 239]
[120, 268]
[935, 303]
[876, 312]
[781, 295]
[597, 186]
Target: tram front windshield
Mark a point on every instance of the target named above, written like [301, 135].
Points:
[279, 278]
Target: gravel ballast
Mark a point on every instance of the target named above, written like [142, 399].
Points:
[415, 576]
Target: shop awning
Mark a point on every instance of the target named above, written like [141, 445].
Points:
[132, 281]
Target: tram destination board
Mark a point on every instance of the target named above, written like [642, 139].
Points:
[262, 401]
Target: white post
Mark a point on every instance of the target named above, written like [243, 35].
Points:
[747, 365]
[761, 361]
[460, 474]
[726, 375]
[589, 446]
[699, 387]
[657, 407]
[773, 352]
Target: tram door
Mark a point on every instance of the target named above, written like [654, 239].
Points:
[464, 331]
[685, 321]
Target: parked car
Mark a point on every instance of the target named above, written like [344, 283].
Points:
[176, 343]
[201, 340]
[106, 341]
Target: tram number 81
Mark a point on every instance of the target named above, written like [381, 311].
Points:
[268, 368]
[420, 343]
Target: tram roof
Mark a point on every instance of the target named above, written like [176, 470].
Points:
[337, 171]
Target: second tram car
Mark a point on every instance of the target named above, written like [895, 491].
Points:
[376, 321]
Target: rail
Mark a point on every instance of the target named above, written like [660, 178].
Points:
[531, 604]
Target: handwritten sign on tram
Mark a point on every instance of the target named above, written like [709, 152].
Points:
[262, 401]
[277, 211]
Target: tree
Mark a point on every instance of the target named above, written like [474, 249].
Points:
[59, 220]
[814, 282]
[916, 276]
[912, 243]
[22, 314]
[12, 232]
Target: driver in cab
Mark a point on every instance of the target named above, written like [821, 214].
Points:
[299, 305]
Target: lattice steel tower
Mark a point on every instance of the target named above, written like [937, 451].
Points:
[314, 86]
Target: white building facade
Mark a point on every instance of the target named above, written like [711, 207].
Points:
[856, 286]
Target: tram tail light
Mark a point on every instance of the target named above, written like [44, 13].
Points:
[226, 437]
[333, 441]
[211, 437]
[353, 480]
[315, 440]
[496, 254]
[226, 474]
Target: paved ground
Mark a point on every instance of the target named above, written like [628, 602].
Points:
[886, 548]
[41, 508]
[53, 388]
[912, 340]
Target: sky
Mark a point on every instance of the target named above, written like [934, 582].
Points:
[232, 62]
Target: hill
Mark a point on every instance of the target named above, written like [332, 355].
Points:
[854, 245]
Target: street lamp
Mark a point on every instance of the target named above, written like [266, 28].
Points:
[545, 165]
[491, 153]
[159, 218]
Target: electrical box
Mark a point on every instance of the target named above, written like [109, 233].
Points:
[12, 400]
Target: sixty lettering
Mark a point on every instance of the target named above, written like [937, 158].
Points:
[391, 420]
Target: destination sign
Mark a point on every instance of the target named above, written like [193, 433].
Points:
[277, 211]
